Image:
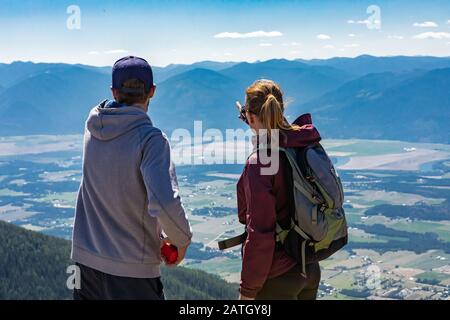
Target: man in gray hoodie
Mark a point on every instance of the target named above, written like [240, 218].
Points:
[128, 194]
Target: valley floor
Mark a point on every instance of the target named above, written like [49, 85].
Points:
[397, 196]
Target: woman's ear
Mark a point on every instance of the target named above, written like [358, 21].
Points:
[254, 121]
[250, 117]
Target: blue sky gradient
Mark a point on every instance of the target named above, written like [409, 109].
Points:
[186, 31]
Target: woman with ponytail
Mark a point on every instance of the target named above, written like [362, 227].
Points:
[263, 200]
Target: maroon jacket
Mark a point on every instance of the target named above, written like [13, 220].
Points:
[262, 199]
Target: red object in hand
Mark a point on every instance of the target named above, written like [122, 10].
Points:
[170, 253]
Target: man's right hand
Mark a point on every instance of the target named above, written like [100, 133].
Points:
[180, 250]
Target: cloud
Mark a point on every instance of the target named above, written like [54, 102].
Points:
[323, 37]
[396, 37]
[358, 21]
[448, 22]
[432, 35]
[93, 53]
[426, 24]
[264, 44]
[115, 51]
[329, 46]
[352, 35]
[353, 45]
[255, 34]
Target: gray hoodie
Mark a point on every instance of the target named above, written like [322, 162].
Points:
[128, 194]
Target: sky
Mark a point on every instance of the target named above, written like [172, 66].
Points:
[169, 32]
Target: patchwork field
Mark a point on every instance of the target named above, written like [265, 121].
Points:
[390, 255]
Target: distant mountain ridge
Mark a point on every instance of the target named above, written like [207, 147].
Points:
[343, 94]
[15, 72]
[162, 74]
[421, 112]
[53, 101]
[365, 64]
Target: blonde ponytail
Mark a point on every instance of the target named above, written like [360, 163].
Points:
[265, 99]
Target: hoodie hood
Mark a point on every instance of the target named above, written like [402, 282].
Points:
[307, 134]
[110, 120]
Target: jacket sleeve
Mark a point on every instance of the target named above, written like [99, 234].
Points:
[160, 180]
[258, 249]
[241, 202]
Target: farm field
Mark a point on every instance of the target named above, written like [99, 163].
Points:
[389, 255]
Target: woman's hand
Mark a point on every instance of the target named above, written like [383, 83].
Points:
[241, 297]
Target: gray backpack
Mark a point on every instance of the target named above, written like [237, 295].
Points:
[318, 227]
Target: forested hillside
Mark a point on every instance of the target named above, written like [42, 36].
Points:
[33, 266]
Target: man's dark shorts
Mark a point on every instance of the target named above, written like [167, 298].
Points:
[96, 285]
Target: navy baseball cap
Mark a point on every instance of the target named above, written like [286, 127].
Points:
[128, 68]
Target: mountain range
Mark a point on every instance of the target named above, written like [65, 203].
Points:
[366, 64]
[401, 98]
[412, 107]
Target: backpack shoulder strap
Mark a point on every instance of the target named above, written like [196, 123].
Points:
[299, 181]
[232, 242]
